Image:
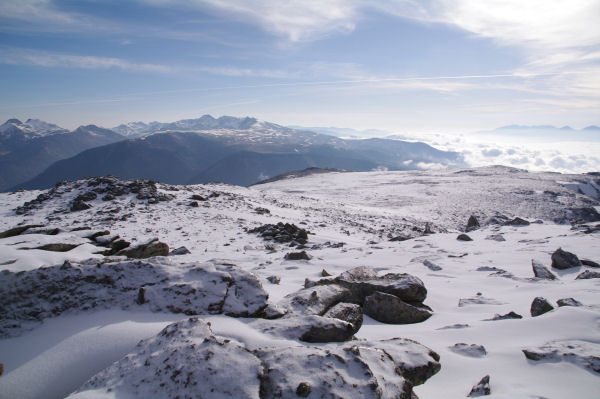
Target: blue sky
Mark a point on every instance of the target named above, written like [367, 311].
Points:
[401, 65]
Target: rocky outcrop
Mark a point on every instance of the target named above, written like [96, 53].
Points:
[540, 306]
[541, 271]
[192, 288]
[187, 360]
[472, 224]
[582, 353]
[564, 260]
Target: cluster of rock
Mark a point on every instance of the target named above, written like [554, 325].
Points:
[157, 284]
[115, 245]
[393, 298]
[282, 233]
[187, 357]
[107, 188]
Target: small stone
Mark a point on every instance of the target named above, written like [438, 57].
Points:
[194, 204]
[303, 389]
[141, 296]
[564, 260]
[540, 306]
[568, 302]
[431, 266]
[587, 275]
[324, 273]
[180, 251]
[482, 388]
[541, 271]
[274, 279]
[464, 237]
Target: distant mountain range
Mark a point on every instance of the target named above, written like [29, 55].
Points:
[233, 150]
[547, 132]
[27, 149]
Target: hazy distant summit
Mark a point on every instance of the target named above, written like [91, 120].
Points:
[14, 129]
[205, 122]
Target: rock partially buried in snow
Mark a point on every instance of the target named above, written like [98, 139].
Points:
[587, 275]
[539, 306]
[564, 260]
[510, 315]
[568, 302]
[192, 288]
[517, 222]
[431, 266]
[482, 388]
[314, 300]
[472, 350]
[302, 255]
[464, 237]
[350, 312]
[180, 251]
[306, 328]
[541, 271]
[582, 353]
[388, 308]
[590, 263]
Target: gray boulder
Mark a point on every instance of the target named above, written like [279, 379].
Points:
[350, 312]
[464, 237]
[472, 224]
[540, 306]
[472, 350]
[388, 308]
[146, 250]
[306, 328]
[517, 222]
[590, 263]
[541, 271]
[315, 300]
[180, 251]
[431, 266]
[564, 260]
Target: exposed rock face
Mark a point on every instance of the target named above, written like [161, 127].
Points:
[540, 306]
[582, 353]
[388, 308]
[541, 271]
[472, 224]
[282, 233]
[587, 275]
[187, 360]
[193, 288]
[464, 237]
[472, 350]
[564, 260]
[146, 250]
[482, 388]
[349, 312]
[568, 302]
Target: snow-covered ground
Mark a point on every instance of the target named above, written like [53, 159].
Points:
[363, 211]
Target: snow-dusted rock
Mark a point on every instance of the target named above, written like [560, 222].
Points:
[564, 260]
[184, 360]
[568, 302]
[146, 250]
[478, 300]
[541, 271]
[540, 306]
[590, 263]
[192, 288]
[508, 316]
[482, 388]
[388, 308]
[350, 312]
[472, 350]
[431, 266]
[314, 300]
[582, 353]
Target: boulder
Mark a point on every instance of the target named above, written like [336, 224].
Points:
[510, 315]
[482, 388]
[388, 308]
[590, 263]
[564, 260]
[79, 205]
[587, 275]
[297, 256]
[568, 302]
[180, 251]
[581, 353]
[472, 350]
[431, 266]
[472, 224]
[314, 300]
[541, 271]
[517, 222]
[464, 237]
[349, 312]
[146, 250]
[363, 281]
[496, 237]
[540, 306]
[311, 328]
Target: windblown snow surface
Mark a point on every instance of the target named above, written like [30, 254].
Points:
[492, 274]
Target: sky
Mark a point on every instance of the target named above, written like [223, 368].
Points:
[398, 65]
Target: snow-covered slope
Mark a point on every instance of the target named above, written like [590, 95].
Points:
[351, 219]
[31, 128]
